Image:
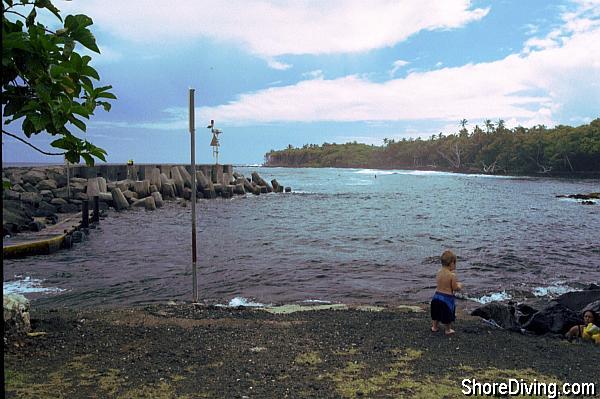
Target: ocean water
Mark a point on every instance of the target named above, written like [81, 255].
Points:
[354, 236]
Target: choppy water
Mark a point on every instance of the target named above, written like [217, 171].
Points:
[344, 235]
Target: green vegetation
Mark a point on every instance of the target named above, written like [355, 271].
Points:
[46, 84]
[495, 150]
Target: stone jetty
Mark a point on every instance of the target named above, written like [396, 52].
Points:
[34, 196]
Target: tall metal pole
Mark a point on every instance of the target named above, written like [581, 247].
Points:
[193, 138]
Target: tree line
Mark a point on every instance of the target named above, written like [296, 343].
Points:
[493, 149]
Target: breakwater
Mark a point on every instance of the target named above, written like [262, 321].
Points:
[35, 196]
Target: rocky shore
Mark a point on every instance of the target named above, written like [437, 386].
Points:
[34, 197]
[186, 351]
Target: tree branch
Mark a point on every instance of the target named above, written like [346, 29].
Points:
[31, 145]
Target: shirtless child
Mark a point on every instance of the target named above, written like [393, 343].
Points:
[442, 303]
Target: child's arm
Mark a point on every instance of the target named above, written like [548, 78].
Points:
[456, 286]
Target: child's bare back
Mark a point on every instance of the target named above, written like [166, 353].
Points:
[447, 282]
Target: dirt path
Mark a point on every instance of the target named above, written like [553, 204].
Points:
[198, 352]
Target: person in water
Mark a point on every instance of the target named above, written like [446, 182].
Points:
[443, 308]
[589, 317]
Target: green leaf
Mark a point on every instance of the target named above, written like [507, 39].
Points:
[86, 38]
[107, 95]
[89, 71]
[88, 159]
[77, 123]
[30, 20]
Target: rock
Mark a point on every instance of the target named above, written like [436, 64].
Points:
[288, 189]
[149, 203]
[93, 187]
[119, 200]
[102, 185]
[77, 202]
[555, 318]
[51, 219]
[594, 307]
[260, 181]
[68, 208]
[210, 194]
[524, 313]
[577, 300]
[105, 197]
[502, 314]
[46, 195]
[16, 215]
[218, 188]
[47, 185]
[61, 193]
[130, 195]
[278, 188]
[168, 190]
[124, 185]
[11, 195]
[36, 225]
[187, 193]
[239, 189]
[31, 198]
[202, 181]
[155, 179]
[58, 201]
[34, 176]
[16, 315]
[142, 188]
[59, 178]
[18, 188]
[45, 209]
[157, 199]
[187, 178]
[593, 286]
[30, 188]
[248, 186]
[78, 187]
[153, 189]
[82, 197]
[138, 203]
[178, 180]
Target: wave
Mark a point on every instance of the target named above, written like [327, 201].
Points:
[494, 297]
[243, 302]
[27, 285]
[427, 173]
[553, 290]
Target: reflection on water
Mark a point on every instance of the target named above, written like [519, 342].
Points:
[342, 236]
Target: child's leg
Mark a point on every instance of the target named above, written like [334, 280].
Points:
[449, 330]
[434, 325]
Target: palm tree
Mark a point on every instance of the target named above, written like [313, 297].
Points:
[489, 126]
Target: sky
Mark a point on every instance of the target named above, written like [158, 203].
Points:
[274, 73]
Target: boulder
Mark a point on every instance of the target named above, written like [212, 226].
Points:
[202, 181]
[58, 201]
[130, 195]
[153, 189]
[34, 176]
[45, 209]
[178, 180]
[18, 188]
[46, 195]
[157, 199]
[119, 200]
[142, 188]
[59, 178]
[105, 197]
[555, 318]
[30, 188]
[68, 208]
[185, 175]
[524, 313]
[31, 198]
[218, 188]
[278, 188]
[288, 189]
[93, 187]
[248, 187]
[61, 193]
[577, 300]
[261, 182]
[102, 185]
[47, 185]
[16, 315]
[36, 225]
[168, 190]
[239, 189]
[15, 216]
[11, 195]
[187, 193]
[124, 185]
[81, 197]
[155, 179]
[149, 203]
[210, 194]
[138, 203]
[502, 314]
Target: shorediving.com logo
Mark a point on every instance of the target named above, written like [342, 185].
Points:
[519, 387]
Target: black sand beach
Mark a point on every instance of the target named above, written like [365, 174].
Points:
[183, 351]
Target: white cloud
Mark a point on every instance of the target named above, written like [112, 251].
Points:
[280, 66]
[273, 28]
[397, 65]
[316, 74]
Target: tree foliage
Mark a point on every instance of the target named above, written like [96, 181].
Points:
[496, 150]
[47, 85]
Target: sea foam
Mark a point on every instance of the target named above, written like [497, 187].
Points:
[27, 285]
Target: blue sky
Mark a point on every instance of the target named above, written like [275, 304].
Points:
[273, 73]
